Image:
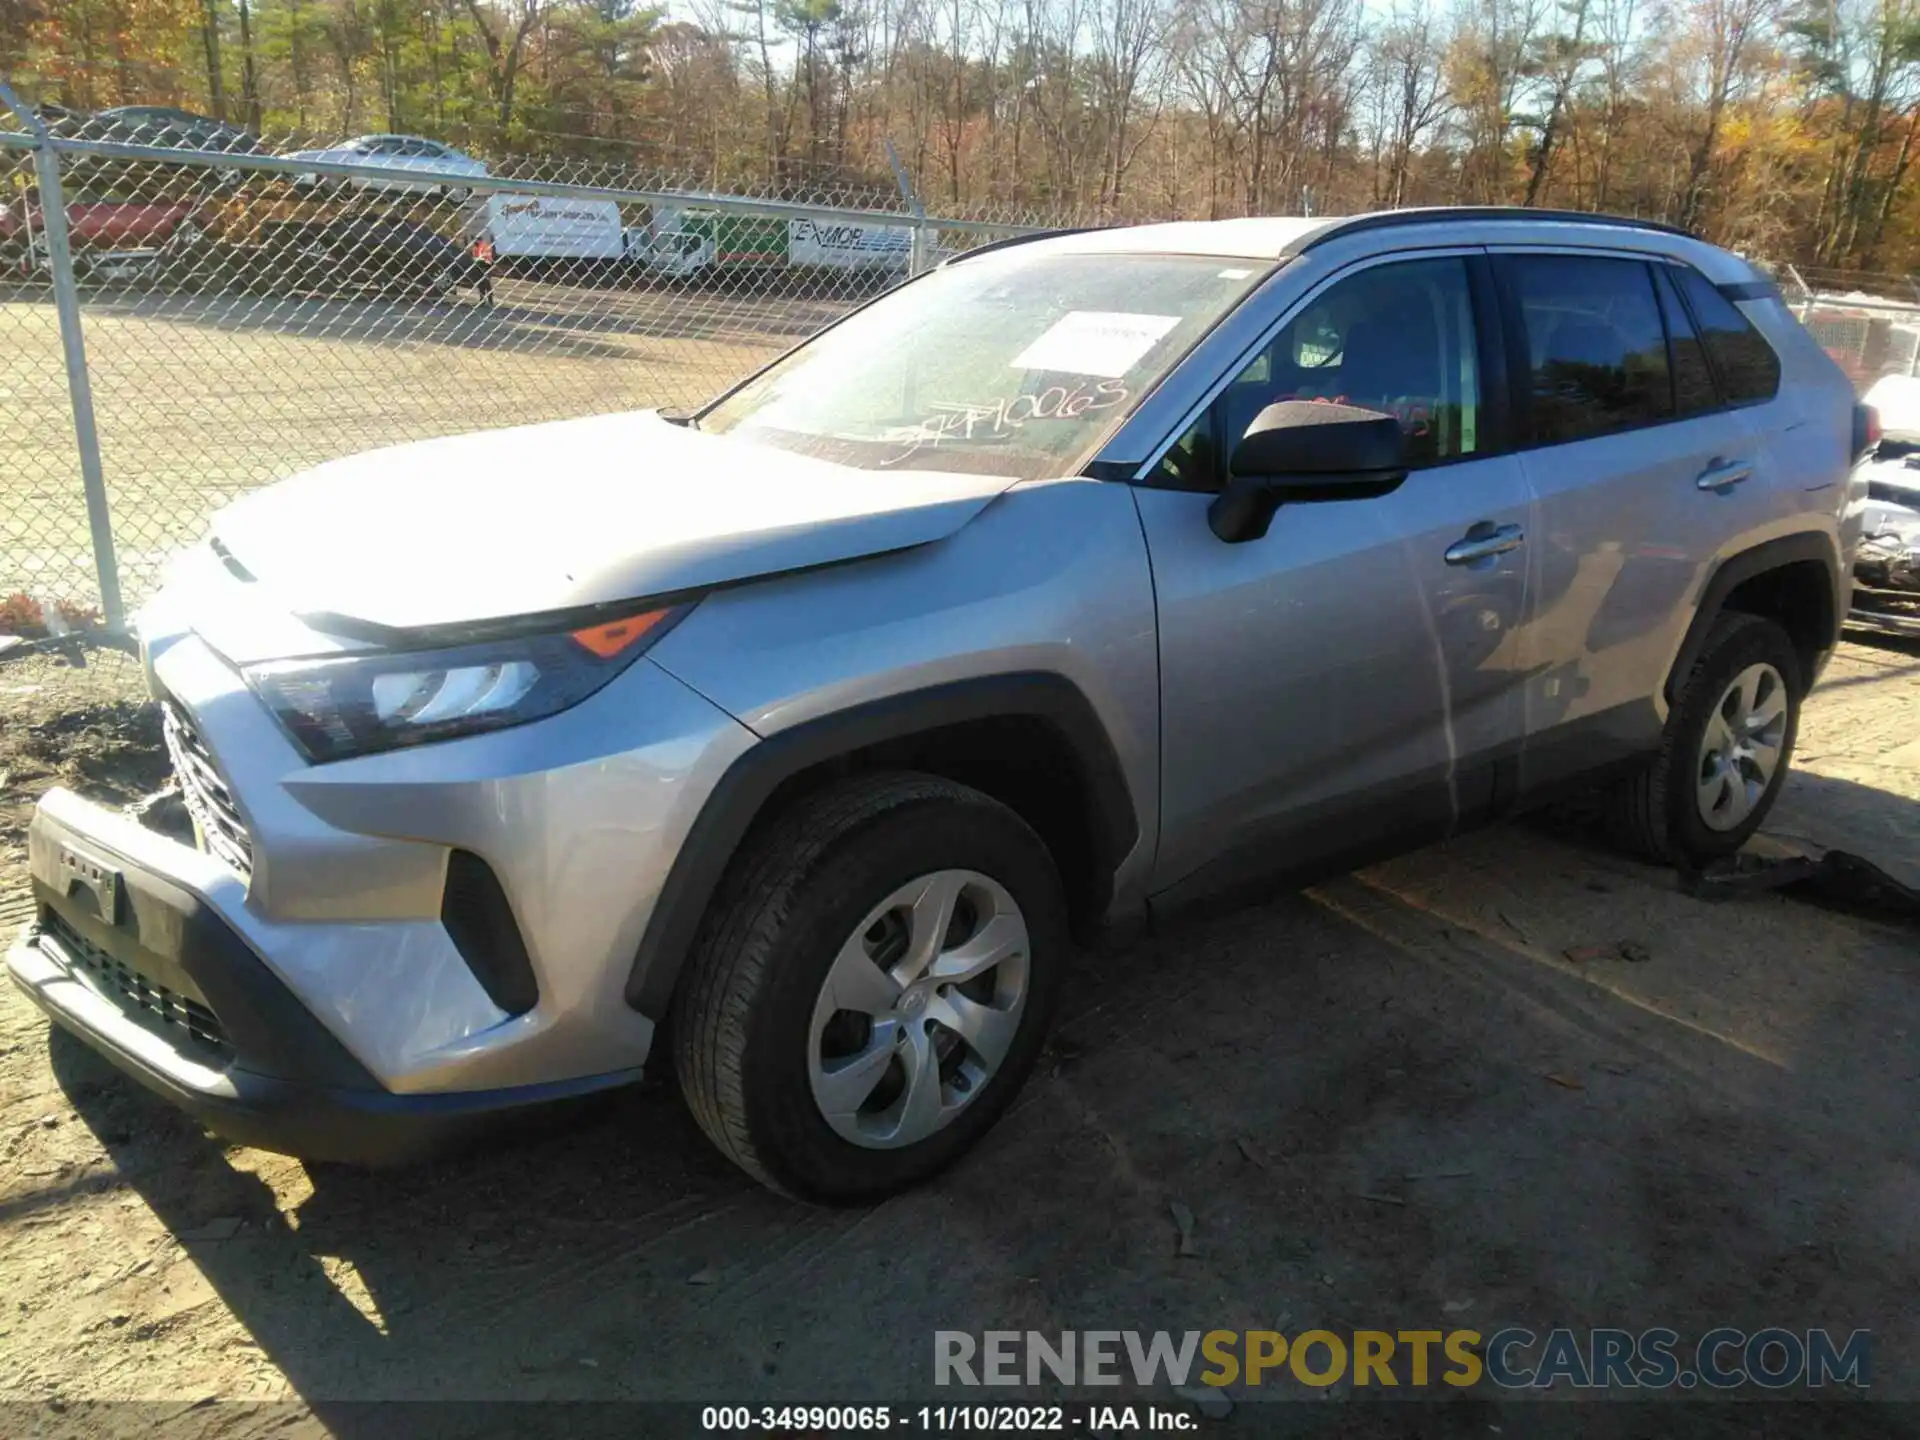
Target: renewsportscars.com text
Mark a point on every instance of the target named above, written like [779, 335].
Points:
[1512, 1358]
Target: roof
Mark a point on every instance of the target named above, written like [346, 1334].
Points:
[1279, 238]
[1261, 237]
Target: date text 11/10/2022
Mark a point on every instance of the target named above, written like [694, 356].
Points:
[938, 1419]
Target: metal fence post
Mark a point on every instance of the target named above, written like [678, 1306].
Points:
[1806, 306]
[66, 302]
[917, 233]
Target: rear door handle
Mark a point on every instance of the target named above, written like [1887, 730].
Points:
[1483, 540]
[1724, 474]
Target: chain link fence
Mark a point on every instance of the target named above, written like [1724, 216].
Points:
[180, 325]
[188, 312]
[1869, 324]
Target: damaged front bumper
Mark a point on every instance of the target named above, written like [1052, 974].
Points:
[367, 959]
[127, 953]
[1886, 569]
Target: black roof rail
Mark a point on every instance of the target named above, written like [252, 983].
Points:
[1010, 240]
[1427, 215]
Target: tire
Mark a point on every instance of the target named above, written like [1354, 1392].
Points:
[747, 1033]
[187, 237]
[1659, 813]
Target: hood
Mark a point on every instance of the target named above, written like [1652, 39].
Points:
[504, 523]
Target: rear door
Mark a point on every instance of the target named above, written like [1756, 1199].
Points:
[1641, 475]
[1790, 455]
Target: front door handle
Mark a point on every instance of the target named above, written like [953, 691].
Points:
[1483, 540]
[1724, 474]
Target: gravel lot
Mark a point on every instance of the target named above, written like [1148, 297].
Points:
[201, 398]
[1389, 1102]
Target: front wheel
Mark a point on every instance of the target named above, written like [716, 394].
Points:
[1727, 748]
[871, 987]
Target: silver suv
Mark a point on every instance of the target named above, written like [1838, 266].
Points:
[1078, 579]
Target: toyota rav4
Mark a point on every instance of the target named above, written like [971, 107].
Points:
[788, 743]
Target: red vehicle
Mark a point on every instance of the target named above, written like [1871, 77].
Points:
[125, 229]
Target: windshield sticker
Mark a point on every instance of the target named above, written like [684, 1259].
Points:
[961, 421]
[1095, 342]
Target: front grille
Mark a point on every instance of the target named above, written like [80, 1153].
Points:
[1880, 490]
[137, 993]
[207, 797]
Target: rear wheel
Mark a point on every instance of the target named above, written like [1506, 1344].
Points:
[1728, 745]
[871, 987]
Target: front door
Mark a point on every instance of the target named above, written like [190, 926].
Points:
[1344, 682]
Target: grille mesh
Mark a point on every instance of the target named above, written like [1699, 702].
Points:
[133, 991]
[207, 797]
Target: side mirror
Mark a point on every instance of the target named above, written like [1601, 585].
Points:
[1303, 450]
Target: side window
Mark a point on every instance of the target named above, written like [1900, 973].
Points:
[1596, 350]
[1693, 389]
[1396, 338]
[1749, 370]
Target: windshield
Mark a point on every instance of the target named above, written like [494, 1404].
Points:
[1012, 364]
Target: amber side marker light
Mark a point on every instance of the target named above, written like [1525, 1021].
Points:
[610, 639]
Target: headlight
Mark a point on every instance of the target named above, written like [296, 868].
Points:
[360, 704]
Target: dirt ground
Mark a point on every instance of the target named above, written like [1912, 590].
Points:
[1392, 1101]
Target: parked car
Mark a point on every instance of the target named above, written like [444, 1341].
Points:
[398, 152]
[385, 256]
[14, 239]
[167, 126]
[342, 254]
[109, 234]
[1887, 568]
[786, 744]
[161, 126]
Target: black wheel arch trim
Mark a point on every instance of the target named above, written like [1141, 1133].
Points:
[1736, 570]
[743, 791]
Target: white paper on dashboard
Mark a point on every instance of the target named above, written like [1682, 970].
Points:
[1095, 342]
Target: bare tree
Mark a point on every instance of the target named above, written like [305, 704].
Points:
[1731, 31]
[1409, 86]
[503, 30]
[1559, 56]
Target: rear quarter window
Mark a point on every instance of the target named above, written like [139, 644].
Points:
[1748, 368]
